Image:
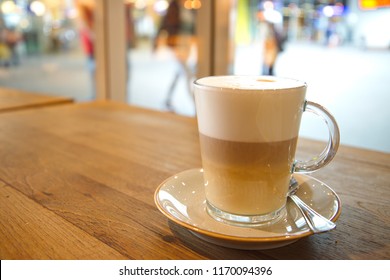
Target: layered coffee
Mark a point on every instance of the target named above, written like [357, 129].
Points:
[248, 129]
[245, 178]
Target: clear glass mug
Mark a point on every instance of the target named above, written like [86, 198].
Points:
[248, 129]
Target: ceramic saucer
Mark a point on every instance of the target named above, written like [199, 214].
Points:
[181, 198]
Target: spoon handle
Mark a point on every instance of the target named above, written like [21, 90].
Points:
[315, 221]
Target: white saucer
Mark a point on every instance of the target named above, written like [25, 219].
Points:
[181, 198]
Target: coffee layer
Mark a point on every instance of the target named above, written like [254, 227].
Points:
[247, 178]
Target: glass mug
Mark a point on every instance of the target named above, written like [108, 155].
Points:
[248, 129]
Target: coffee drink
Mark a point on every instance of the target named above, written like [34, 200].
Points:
[248, 128]
[245, 178]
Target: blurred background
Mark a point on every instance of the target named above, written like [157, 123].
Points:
[341, 48]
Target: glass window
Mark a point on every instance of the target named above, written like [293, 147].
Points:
[41, 50]
[338, 48]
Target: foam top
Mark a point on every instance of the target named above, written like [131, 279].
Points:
[249, 82]
[249, 108]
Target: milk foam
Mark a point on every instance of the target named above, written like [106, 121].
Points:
[249, 82]
[249, 108]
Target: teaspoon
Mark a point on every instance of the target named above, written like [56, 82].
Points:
[316, 222]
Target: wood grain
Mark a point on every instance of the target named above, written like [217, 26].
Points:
[84, 176]
[29, 231]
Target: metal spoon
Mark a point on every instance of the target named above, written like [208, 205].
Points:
[316, 222]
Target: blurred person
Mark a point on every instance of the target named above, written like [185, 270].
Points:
[273, 45]
[5, 53]
[130, 37]
[178, 28]
[335, 33]
[12, 39]
[330, 33]
[273, 39]
[86, 10]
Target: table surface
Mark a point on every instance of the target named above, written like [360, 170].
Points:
[77, 181]
[14, 99]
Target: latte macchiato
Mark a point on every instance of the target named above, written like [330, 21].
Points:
[248, 132]
[248, 128]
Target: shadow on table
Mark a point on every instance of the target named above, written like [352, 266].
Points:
[302, 249]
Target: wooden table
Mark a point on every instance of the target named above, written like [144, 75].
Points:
[13, 99]
[77, 182]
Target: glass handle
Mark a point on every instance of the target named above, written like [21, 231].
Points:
[333, 143]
